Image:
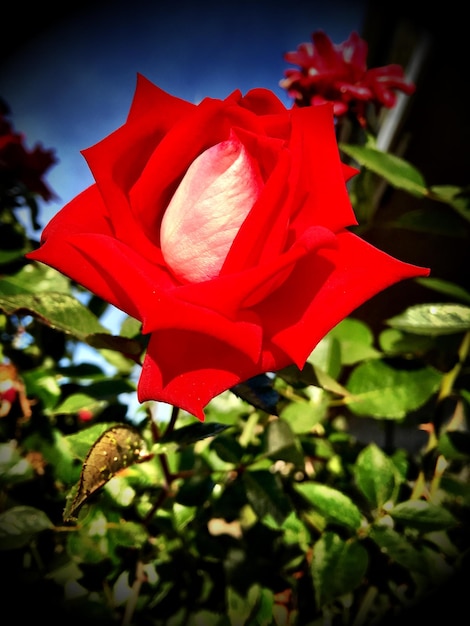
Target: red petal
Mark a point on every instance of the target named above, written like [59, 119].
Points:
[338, 282]
[321, 173]
[188, 369]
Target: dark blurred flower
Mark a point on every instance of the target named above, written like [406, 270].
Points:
[20, 167]
[338, 73]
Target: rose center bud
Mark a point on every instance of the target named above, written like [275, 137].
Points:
[210, 204]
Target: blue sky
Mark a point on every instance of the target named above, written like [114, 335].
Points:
[73, 84]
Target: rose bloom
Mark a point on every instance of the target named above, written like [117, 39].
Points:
[222, 227]
[339, 74]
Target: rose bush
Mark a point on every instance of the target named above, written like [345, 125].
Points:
[223, 228]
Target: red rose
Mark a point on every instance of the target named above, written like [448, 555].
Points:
[222, 228]
[339, 74]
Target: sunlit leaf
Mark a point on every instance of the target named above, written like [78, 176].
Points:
[43, 385]
[302, 416]
[433, 319]
[396, 342]
[65, 313]
[375, 475]
[327, 356]
[423, 516]
[355, 340]
[57, 310]
[398, 172]
[338, 567]
[80, 442]
[334, 505]
[385, 392]
[76, 402]
[117, 448]
[34, 278]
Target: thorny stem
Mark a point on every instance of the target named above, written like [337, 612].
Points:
[168, 477]
[171, 424]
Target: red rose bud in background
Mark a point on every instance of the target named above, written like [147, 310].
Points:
[222, 227]
[339, 74]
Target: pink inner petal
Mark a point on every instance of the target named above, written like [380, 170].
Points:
[210, 204]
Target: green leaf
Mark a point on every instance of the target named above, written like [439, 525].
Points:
[80, 442]
[90, 542]
[457, 197]
[302, 416]
[338, 567]
[57, 310]
[76, 402]
[433, 319]
[423, 516]
[127, 534]
[384, 392]
[395, 342]
[446, 287]
[20, 524]
[334, 505]
[34, 278]
[42, 384]
[375, 475]
[266, 495]
[455, 445]
[327, 356]
[238, 607]
[398, 548]
[262, 612]
[398, 172]
[356, 341]
[228, 449]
